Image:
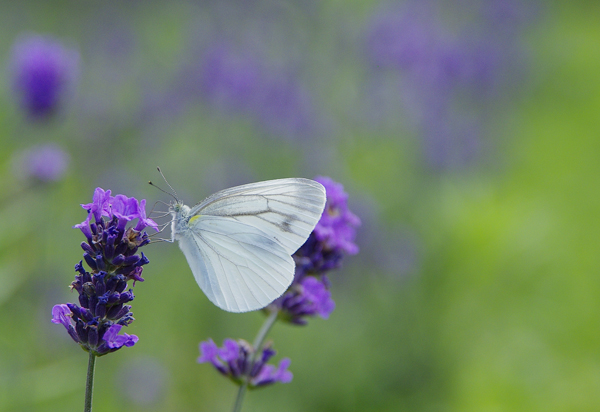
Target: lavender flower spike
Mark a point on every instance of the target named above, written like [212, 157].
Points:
[337, 225]
[111, 253]
[332, 238]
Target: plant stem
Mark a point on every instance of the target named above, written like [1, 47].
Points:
[262, 333]
[89, 384]
[258, 341]
[240, 397]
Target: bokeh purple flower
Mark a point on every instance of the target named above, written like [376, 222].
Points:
[445, 63]
[240, 82]
[402, 36]
[42, 71]
[229, 80]
[110, 252]
[44, 163]
[235, 360]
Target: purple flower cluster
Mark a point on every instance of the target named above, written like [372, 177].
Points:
[448, 77]
[235, 360]
[332, 238]
[110, 252]
[240, 83]
[42, 70]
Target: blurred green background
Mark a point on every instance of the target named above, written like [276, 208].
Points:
[467, 136]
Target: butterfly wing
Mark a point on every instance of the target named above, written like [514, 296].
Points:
[240, 240]
[236, 265]
[287, 210]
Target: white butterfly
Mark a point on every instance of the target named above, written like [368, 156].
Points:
[239, 241]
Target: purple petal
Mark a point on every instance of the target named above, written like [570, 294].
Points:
[85, 227]
[282, 374]
[100, 204]
[208, 352]
[115, 341]
[269, 374]
[61, 314]
[264, 377]
[125, 207]
[316, 292]
[337, 226]
[130, 340]
[230, 351]
[144, 221]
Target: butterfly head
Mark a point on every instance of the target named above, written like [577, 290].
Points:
[178, 209]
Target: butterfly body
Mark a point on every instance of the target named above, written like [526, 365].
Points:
[239, 241]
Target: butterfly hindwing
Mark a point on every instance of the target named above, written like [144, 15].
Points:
[237, 266]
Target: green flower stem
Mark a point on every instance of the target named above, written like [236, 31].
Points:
[258, 341]
[89, 384]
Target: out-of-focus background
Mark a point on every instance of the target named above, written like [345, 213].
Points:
[466, 133]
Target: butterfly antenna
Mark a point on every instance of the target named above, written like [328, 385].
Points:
[167, 182]
[164, 191]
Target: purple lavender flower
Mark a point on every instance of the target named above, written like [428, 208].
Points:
[284, 107]
[42, 70]
[235, 360]
[241, 83]
[45, 163]
[110, 252]
[230, 81]
[307, 297]
[437, 67]
[402, 37]
[337, 227]
[332, 238]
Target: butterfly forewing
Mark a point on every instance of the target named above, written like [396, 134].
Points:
[286, 209]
